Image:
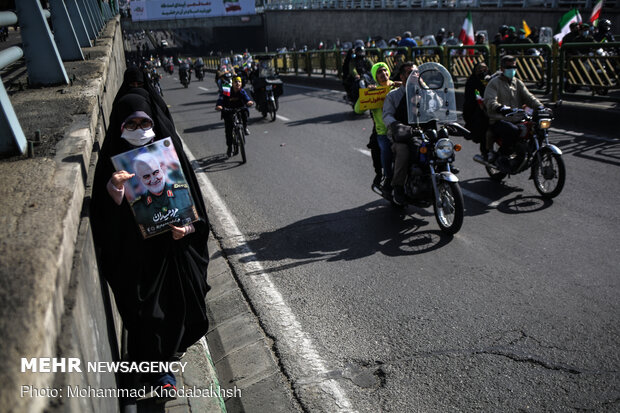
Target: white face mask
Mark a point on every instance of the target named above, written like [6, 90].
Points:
[138, 137]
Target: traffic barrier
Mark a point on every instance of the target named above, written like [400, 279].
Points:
[44, 52]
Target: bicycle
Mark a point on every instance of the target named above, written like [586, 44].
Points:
[238, 132]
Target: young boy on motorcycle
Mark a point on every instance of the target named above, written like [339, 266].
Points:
[503, 94]
[379, 143]
[236, 97]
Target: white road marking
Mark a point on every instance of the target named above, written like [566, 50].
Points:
[282, 118]
[479, 198]
[469, 194]
[309, 371]
[203, 88]
[364, 151]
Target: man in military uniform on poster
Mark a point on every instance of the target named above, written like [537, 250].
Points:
[163, 203]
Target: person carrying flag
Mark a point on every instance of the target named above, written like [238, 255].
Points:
[233, 97]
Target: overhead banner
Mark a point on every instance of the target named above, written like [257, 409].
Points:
[189, 9]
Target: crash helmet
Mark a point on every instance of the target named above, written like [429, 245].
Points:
[360, 51]
[227, 76]
[604, 25]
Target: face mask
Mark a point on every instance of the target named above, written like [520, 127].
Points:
[482, 75]
[510, 73]
[138, 137]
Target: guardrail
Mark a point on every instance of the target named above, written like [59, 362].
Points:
[410, 4]
[594, 67]
[76, 23]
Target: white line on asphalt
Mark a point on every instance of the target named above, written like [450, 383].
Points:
[315, 88]
[479, 198]
[282, 118]
[311, 369]
[469, 194]
[203, 88]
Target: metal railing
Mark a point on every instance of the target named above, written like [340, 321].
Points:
[76, 23]
[593, 67]
[396, 4]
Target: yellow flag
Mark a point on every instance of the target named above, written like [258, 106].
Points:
[527, 29]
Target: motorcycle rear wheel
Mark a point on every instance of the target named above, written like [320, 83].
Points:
[449, 213]
[549, 173]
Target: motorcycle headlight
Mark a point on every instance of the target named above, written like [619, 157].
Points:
[444, 148]
[544, 123]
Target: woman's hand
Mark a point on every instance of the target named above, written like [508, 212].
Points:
[120, 177]
[180, 232]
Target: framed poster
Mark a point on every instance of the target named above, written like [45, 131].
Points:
[158, 193]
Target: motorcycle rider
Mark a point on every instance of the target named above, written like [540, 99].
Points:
[184, 71]
[199, 67]
[236, 97]
[603, 33]
[379, 140]
[359, 66]
[403, 137]
[503, 94]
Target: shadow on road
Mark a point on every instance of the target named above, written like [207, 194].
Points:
[346, 235]
[591, 149]
[216, 163]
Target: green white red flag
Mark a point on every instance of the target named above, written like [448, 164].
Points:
[466, 36]
[563, 27]
[596, 12]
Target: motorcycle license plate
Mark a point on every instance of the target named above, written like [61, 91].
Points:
[269, 87]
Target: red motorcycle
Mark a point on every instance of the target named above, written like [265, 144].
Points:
[532, 151]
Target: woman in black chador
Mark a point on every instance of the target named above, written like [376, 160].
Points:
[159, 283]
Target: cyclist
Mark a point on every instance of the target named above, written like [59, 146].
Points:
[232, 98]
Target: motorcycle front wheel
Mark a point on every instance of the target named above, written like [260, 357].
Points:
[549, 173]
[271, 108]
[449, 210]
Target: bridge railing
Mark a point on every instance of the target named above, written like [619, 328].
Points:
[397, 4]
[76, 23]
[574, 68]
[595, 67]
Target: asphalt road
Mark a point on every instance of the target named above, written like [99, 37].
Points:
[518, 311]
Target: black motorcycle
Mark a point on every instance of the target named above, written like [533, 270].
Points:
[430, 178]
[184, 76]
[267, 87]
[531, 152]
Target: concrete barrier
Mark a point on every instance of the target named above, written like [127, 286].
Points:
[53, 303]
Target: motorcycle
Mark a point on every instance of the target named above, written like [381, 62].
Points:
[431, 107]
[267, 88]
[532, 151]
[184, 75]
[199, 72]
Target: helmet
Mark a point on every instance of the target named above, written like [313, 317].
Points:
[360, 51]
[604, 24]
[227, 76]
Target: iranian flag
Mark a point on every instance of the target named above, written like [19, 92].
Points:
[564, 25]
[596, 12]
[226, 90]
[467, 31]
